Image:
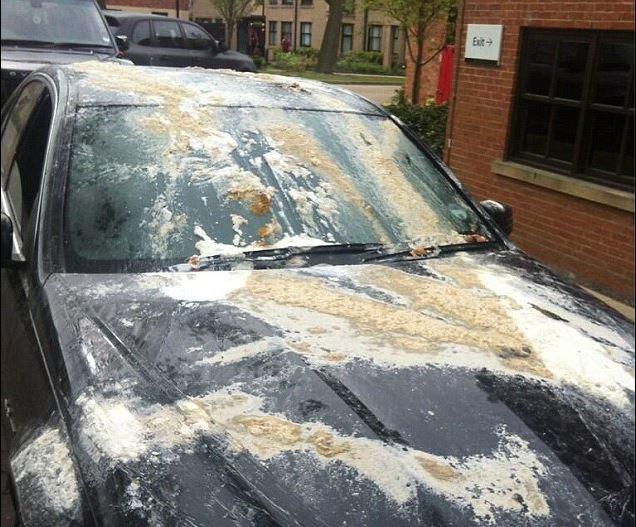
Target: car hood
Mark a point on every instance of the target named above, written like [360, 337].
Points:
[25, 59]
[471, 390]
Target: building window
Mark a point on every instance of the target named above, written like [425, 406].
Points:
[305, 34]
[395, 41]
[374, 39]
[287, 2]
[286, 30]
[346, 38]
[575, 107]
[306, 2]
[273, 2]
[273, 33]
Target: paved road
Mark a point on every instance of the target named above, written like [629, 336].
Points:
[376, 93]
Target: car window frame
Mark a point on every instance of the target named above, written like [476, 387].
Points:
[213, 43]
[153, 34]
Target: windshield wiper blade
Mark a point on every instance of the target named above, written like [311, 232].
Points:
[26, 42]
[278, 254]
[282, 253]
[433, 251]
[79, 45]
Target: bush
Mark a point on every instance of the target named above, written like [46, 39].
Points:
[361, 62]
[294, 61]
[428, 122]
[258, 61]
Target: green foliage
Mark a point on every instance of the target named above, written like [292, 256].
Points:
[361, 62]
[428, 122]
[299, 60]
[258, 61]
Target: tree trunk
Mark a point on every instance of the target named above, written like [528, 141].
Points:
[331, 40]
[417, 74]
[229, 31]
[420, 39]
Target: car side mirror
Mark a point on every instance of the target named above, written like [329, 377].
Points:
[500, 213]
[122, 42]
[221, 47]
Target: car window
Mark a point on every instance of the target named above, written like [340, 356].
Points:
[196, 37]
[54, 21]
[167, 34]
[141, 33]
[15, 124]
[26, 164]
[238, 179]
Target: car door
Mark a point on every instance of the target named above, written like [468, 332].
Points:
[140, 49]
[201, 45]
[26, 390]
[169, 45]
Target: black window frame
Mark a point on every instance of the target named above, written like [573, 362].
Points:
[373, 38]
[305, 34]
[272, 32]
[306, 3]
[579, 167]
[284, 24]
[344, 36]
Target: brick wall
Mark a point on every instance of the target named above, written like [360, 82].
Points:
[591, 242]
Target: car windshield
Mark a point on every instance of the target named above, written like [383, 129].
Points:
[144, 186]
[53, 22]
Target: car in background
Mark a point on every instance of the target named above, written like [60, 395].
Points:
[245, 300]
[156, 40]
[40, 32]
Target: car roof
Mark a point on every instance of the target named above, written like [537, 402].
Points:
[107, 83]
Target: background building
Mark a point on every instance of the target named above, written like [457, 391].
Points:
[303, 22]
[158, 7]
[548, 128]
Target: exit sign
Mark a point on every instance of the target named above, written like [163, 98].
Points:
[483, 42]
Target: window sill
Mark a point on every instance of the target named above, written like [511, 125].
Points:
[618, 199]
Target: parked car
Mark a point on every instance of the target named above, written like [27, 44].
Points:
[156, 40]
[35, 33]
[233, 299]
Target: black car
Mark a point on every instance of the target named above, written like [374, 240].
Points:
[36, 33]
[156, 40]
[232, 299]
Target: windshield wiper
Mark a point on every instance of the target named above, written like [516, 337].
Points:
[26, 42]
[423, 253]
[278, 254]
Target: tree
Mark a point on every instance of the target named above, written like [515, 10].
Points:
[232, 11]
[330, 41]
[416, 17]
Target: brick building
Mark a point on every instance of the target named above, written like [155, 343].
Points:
[303, 22]
[158, 7]
[548, 129]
